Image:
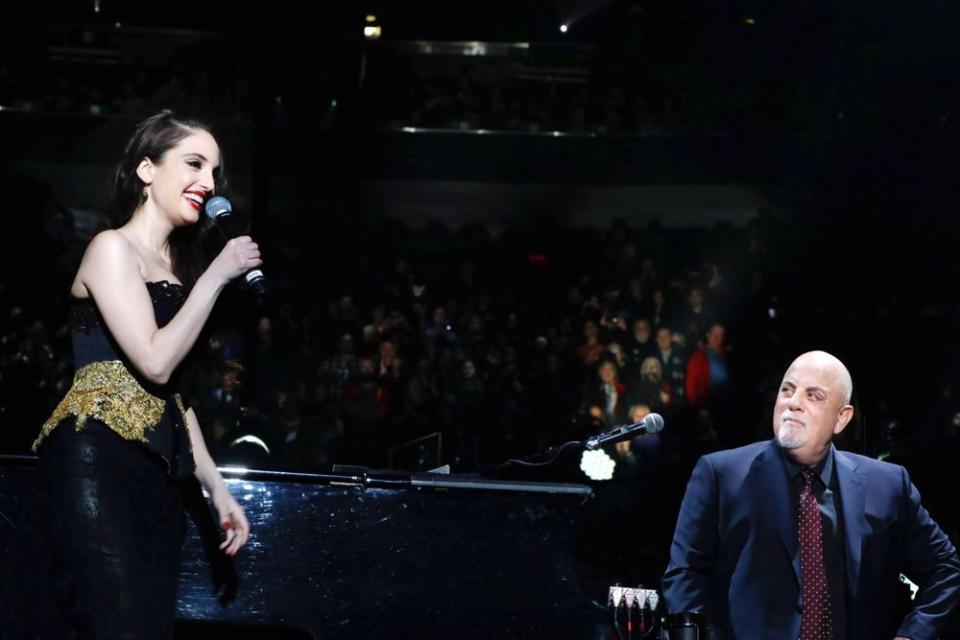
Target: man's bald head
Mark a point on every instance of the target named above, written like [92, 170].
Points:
[813, 405]
[829, 363]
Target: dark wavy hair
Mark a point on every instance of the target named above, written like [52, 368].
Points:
[152, 139]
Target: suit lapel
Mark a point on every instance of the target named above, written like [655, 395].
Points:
[853, 499]
[773, 484]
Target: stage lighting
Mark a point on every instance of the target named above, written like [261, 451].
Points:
[597, 464]
[371, 17]
[563, 28]
[252, 440]
[910, 585]
[371, 32]
[749, 21]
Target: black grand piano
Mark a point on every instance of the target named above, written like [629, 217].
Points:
[369, 554]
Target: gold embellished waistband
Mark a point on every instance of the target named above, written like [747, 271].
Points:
[107, 391]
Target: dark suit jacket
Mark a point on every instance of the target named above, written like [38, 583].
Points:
[735, 555]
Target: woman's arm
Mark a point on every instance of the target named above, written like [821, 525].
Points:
[229, 511]
[110, 272]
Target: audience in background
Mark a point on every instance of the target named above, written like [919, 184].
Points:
[486, 357]
[501, 356]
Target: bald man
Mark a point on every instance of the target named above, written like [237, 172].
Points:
[791, 538]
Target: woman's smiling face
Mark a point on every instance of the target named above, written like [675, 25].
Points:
[184, 178]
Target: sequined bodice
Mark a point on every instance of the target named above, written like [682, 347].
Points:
[92, 341]
[108, 387]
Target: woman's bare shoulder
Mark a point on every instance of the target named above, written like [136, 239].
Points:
[110, 248]
[110, 241]
[108, 255]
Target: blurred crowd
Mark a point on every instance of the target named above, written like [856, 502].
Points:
[499, 364]
[465, 101]
[415, 348]
[495, 352]
[103, 70]
[497, 96]
[90, 71]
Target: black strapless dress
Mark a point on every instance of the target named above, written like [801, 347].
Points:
[110, 509]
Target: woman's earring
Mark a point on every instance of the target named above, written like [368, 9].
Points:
[145, 194]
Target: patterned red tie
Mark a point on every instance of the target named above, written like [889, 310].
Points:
[815, 621]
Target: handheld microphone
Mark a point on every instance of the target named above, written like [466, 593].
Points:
[220, 211]
[653, 423]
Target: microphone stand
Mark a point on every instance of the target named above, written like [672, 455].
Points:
[653, 423]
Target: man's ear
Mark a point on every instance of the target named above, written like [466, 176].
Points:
[843, 419]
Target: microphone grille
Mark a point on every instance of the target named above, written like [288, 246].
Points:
[218, 206]
[654, 423]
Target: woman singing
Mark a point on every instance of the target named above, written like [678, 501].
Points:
[113, 455]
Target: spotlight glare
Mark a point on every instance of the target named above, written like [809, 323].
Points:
[250, 439]
[371, 17]
[371, 32]
[597, 464]
[913, 588]
[232, 469]
[563, 28]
